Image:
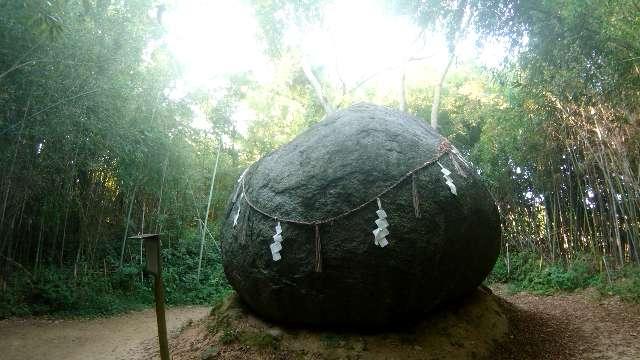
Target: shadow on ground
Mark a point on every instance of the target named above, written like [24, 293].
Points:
[535, 335]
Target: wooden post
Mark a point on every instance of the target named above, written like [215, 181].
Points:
[154, 267]
[162, 323]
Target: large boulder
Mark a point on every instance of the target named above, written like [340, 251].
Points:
[322, 188]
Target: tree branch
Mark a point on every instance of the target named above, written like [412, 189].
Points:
[317, 88]
[60, 102]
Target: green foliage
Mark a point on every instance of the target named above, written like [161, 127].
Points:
[259, 339]
[87, 127]
[558, 123]
[55, 291]
[449, 16]
[229, 336]
[529, 272]
[331, 340]
[625, 283]
[274, 17]
[180, 275]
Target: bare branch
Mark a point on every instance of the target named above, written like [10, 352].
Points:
[317, 88]
[60, 102]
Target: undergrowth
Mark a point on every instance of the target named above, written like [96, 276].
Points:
[64, 292]
[529, 272]
[56, 291]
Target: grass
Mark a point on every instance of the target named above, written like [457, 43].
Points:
[331, 340]
[527, 272]
[260, 340]
[229, 336]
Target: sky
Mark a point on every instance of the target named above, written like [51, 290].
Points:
[211, 39]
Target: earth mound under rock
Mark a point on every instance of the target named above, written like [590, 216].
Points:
[466, 329]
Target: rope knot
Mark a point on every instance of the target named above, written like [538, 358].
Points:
[444, 146]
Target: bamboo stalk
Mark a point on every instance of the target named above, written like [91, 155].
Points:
[164, 172]
[206, 215]
[126, 228]
[142, 242]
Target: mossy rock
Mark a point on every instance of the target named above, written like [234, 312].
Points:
[348, 158]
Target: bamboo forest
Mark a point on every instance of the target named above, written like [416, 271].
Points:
[212, 123]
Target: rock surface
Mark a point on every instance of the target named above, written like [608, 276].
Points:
[336, 165]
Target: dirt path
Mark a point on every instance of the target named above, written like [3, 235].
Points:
[580, 325]
[119, 337]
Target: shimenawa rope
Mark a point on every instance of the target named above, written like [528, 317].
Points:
[443, 148]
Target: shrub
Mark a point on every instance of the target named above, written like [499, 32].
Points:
[58, 291]
[625, 284]
[528, 272]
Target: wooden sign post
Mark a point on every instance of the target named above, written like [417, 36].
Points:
[154, 267]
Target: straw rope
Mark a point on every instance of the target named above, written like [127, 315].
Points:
[443, 148]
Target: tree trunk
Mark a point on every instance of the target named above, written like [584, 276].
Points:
[403, 95]
[436, 93]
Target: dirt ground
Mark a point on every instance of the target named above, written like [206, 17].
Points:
[579, 325]
[120, 337]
